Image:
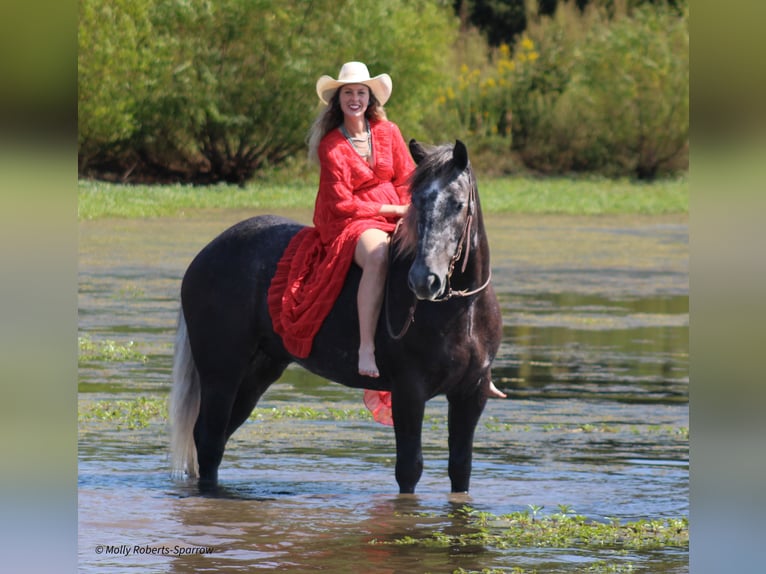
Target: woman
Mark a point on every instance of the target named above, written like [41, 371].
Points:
[363, 190]
[364, 166]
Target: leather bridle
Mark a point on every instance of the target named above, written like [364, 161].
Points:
[463, 243]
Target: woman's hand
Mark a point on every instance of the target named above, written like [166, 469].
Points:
[387, 210]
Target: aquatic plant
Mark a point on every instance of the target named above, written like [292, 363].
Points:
[131, 414]
[564, 529]
[107, 350]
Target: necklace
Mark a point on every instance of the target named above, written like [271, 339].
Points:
[363, 144]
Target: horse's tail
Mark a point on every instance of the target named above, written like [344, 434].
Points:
[184, 405]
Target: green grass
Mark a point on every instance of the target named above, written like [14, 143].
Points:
[572, 196]
[100, 199]
[587, 196]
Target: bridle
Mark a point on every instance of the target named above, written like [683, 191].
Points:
[449, 293]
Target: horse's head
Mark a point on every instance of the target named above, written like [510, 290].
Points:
[438, 225]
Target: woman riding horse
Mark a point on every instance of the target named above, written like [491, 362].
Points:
[268, 292]
[363, 191]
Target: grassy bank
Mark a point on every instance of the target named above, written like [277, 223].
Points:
[500, 195]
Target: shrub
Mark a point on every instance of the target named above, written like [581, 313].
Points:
[603, 90]
[632, 89]
[217, 91]
[609, 92]
[114, 46]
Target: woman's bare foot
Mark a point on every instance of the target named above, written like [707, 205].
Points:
[493, 392]
[367, 365]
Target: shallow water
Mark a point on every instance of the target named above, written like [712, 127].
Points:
[594, 359]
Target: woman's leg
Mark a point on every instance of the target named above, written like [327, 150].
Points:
[372, 256]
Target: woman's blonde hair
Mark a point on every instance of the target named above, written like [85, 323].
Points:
[331, 117]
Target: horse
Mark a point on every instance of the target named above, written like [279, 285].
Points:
[439, 331]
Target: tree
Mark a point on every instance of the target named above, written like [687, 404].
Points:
[215, 91]
[500, 20]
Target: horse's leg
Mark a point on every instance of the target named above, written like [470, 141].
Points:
[408, 429]
[464, 413]
[217, 399]
[264, 371]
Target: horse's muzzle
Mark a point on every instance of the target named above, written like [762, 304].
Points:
[425, 284]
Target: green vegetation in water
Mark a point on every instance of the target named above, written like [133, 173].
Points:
[599, 567]
[564, 529]
[108, 350]
[310, 413]
[138, 413]
[492, 424]
[570, 196]
[131, 414]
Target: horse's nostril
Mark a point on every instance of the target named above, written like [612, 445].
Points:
[424, 284]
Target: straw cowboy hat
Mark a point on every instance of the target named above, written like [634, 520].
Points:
[355, 73]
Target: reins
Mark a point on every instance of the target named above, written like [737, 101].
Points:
[465, 239]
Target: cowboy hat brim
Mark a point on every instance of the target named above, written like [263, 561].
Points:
[381, 86]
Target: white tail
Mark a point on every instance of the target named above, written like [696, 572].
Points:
[184, 405]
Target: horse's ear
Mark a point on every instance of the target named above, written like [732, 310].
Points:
[460, 155]
[418, 151]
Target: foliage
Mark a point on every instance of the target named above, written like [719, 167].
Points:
[500, 20]
[602, 90]
[563, 529]
[131, 414]
[194, 90]
[107, 350]
[614, 100]
[115, 46]
[641, 121]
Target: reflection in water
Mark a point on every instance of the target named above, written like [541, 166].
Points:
[594, 358]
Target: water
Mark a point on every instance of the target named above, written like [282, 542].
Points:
[594, 359]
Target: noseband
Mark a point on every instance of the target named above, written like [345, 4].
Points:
[465, 240]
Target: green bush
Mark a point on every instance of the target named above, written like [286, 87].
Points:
[192, 90]
[115, 43]
[632, 89]
[217, 91]
[603, 90]
[609, 92]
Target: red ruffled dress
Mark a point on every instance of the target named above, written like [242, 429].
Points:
[313, 268]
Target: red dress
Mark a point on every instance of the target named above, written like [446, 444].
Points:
[313, 268]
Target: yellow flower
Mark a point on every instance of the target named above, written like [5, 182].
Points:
[506, 66]
[527, 44]
[505, 51]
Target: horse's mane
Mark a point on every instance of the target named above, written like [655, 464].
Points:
[436, 165]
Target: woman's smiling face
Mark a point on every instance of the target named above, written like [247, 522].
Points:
[354, 99]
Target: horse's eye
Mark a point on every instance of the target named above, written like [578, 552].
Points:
[456, 205]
